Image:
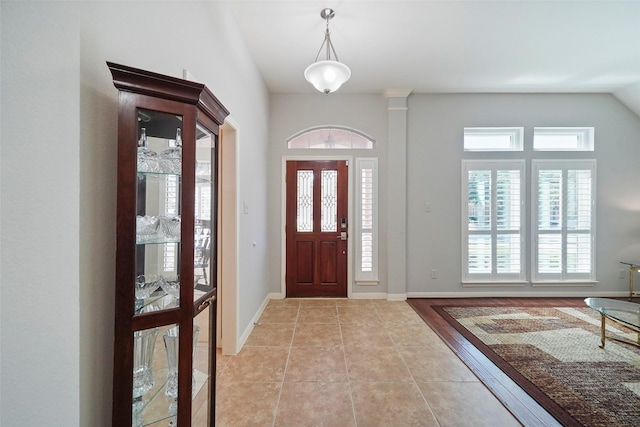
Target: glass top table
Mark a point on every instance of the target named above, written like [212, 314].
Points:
[623, 312]
[633, 267]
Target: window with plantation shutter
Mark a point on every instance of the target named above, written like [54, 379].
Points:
[367, 221]
[493, 221]
[563, 220]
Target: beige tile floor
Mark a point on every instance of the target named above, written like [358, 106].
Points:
[333, 362]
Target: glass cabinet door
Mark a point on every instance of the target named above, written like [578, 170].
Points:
[204, 276]
[155, 376]
[158, 225]
[204, 224]
[203, 360]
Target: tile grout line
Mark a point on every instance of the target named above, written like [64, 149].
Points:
[284, 373]
[416, 383]
[346, 366]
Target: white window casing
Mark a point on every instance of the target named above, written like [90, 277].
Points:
[366, 246]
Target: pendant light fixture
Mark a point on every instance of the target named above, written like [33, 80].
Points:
[329, 74]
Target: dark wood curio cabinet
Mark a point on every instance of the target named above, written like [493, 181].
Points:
[164, 347]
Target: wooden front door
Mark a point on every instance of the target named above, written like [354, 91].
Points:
[316, 228]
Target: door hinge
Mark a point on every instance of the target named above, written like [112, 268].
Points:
[346, 162]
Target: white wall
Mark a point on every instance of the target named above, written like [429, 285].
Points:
[58, 225]
[630, 96]
[436, 125]
[40, 214]
[291, 113]
[210, 47]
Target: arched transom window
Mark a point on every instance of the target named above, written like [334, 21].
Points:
[330, 137]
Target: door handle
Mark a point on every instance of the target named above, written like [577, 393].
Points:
[204, 304]
[342, 235]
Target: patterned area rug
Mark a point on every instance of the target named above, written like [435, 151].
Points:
[554, 354]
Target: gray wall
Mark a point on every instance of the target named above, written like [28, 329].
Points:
[435, 152]
[433, 176]
[290, 114]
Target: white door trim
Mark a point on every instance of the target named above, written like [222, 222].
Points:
[283, 219]
[228, 238]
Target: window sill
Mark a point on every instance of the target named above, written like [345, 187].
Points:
[367, 282]
[494, 283]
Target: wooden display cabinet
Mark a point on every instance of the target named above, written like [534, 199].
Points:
[164, 350]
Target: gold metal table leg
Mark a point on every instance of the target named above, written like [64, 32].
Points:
[602, 329]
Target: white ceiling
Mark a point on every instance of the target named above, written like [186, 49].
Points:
[448, 45]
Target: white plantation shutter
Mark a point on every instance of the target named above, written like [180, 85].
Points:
[493, 220]
[564, 201]
[367, 221]
[508, 206]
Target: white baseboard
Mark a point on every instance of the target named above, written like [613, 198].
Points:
[546, 294]
[254, 320]
[396, 297]
[368, 295]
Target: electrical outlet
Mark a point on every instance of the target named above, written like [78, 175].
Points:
[434, 274]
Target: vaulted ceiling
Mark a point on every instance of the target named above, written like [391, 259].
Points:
[451, 46]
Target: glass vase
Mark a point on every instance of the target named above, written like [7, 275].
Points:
[144, 342]
[171, 339]
[147, 159]
[170, 160]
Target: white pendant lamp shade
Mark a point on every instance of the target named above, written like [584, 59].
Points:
[327, 76]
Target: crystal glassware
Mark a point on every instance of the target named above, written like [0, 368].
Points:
[170, 160]
[171, 337]
[146, 228]
[171, 285]
[144, 342]
[146, 285]
[147, 159]
[170, 226]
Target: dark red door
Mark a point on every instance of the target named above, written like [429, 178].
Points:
[316, 228]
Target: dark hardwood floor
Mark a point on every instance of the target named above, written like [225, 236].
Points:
[513, 397]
